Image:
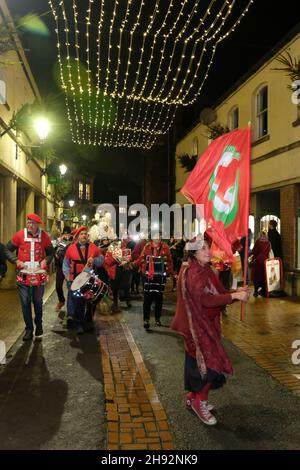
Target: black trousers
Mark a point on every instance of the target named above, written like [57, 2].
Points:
[157, 298]
[59, 283]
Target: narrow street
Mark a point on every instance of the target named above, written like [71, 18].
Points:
[122, 387]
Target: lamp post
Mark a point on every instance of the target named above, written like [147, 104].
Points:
[63, 170]
[71, 203]
[42, 127]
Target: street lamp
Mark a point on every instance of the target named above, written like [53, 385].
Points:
[84, 218]
[63, 169]
[42, 127]
[71, 203]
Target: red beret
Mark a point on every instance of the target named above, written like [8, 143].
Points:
[36, 218]
[74, 231]
[81, 229]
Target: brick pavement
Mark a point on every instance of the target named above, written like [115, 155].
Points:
[135, 416]
[266, 335]
[136, 419]
[11, 318]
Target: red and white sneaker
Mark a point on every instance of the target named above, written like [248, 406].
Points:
[191, 396]
[200, 408]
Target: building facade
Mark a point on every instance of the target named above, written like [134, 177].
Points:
[264, 98]
[23, 184]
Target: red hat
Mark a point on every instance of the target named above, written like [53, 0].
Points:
[36, 218]
[74, 231]
[80, 229]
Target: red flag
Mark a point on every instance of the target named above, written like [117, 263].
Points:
[221, 182]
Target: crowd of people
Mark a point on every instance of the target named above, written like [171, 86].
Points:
[122, 265]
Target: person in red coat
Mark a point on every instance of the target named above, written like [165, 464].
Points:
[80, 255]
[260, 253]
[155, 263]
[35, 251]
[200, 297]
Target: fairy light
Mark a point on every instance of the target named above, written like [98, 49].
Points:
[193, 56]
[149, 69]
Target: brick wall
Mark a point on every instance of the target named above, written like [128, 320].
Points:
[288, 220]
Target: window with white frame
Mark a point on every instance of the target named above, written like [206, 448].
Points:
[3, 99]
[261, 108]
[80, 190]
[234, 118]
[195, 146]
[88, 192]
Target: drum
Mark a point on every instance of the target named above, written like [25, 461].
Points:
[32, 278]
[157, 284]
[89, 287]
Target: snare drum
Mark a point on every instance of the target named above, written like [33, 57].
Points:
[32, 278]
[89, 287]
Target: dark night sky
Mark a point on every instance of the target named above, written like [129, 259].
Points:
[267, 22]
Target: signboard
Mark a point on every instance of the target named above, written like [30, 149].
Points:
[274, 275]
[53, 179]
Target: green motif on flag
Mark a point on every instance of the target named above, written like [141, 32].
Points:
[224, 187]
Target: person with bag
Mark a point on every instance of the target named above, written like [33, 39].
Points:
[259, 254]
[80, 255]
[200, 298]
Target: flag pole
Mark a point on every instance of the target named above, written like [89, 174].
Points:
[247, 233]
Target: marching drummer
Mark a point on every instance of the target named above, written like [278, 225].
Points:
[80, 255]
[35, 252]
[156, 263]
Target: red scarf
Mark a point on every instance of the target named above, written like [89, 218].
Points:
[192, 319]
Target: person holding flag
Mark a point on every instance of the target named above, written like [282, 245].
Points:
[221, 182]
[200, 298]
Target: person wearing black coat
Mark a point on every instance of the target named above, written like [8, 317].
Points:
[275, 239]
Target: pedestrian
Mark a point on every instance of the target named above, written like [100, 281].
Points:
[199, 302]
[80, 255]
[259, 254]
[35, 252]
[5, 255]
[59, 255]
[136, 275]
[173, 243]
[242, 250]
[156, 263]
[275, 239]
[119, 269]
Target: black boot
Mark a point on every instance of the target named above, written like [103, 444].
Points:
[28, 335]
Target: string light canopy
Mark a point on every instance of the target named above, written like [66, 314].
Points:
[126, 65]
